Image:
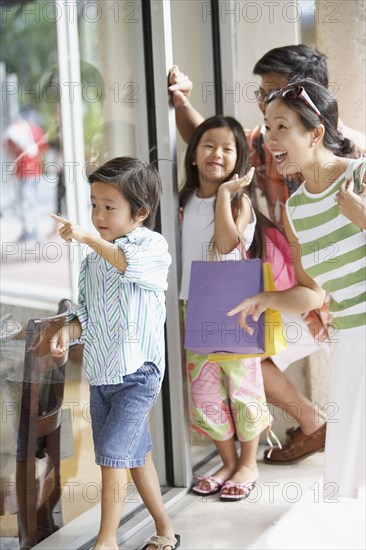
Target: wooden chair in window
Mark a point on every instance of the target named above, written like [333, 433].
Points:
[39, 494]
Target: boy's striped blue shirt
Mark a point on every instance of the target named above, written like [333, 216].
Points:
[122, 315]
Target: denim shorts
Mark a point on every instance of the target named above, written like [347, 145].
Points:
[119, 415]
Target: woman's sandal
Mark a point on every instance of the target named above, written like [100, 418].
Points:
[214, 485]
[161, 543]
[243, 490]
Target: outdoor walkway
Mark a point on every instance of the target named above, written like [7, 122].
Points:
[286, 511]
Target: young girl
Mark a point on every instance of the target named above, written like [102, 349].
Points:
[325, 222]
[227, 398]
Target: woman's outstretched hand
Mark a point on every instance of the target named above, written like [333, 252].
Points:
[253, 306]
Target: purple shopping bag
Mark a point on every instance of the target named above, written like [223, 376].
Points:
[214, 289]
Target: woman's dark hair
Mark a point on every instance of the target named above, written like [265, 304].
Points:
[327, 106]
[242, 166]
[297, 61]
[138, 182]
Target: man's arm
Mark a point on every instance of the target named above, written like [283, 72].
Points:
[187, 118]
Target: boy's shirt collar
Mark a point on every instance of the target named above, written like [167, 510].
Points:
[132, 236]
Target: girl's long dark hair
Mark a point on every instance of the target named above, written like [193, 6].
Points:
[242, 165]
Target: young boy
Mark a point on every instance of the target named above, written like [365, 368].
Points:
[120, 319]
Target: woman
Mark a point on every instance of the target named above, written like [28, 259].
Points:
[325, 222]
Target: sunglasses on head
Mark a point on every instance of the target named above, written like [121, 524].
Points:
[296, 92]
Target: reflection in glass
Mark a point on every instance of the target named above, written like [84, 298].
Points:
[32, 183]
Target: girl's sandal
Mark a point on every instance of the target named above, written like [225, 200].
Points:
[214, 485]
[242, 491]
[163, 543]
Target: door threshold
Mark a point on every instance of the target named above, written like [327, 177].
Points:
[81, 532]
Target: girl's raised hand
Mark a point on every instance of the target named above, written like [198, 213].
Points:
[238, 183]
[253, 306]
[70, 230]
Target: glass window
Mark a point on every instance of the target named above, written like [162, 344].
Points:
[193, 59]
[308, 22]
[32, 183]
[37, 130]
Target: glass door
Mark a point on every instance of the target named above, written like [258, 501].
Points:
[35, 262]
[101, 70]
[79, 97]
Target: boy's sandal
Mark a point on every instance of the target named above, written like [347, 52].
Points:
[163, 543]
[242, 491]
[214, 485]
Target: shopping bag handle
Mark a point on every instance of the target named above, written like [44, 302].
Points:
[214, 255]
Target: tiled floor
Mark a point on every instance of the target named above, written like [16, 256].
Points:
[285, 511]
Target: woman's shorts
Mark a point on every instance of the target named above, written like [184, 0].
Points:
[300, 342]
[119, 414]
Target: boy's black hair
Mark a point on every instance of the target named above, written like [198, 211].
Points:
[138, 182]
[328, 107]
[297, 61]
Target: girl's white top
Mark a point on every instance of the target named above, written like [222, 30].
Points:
[198, 232]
